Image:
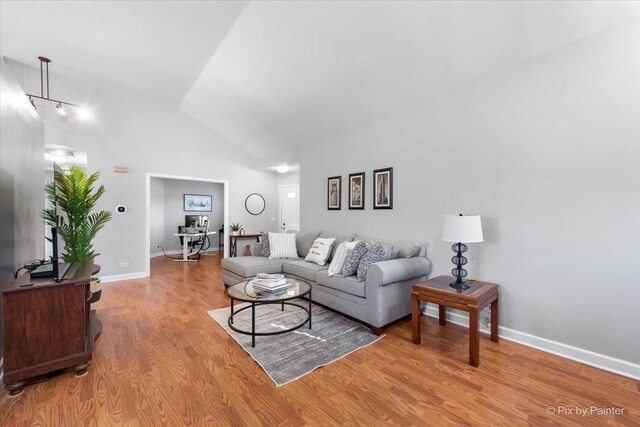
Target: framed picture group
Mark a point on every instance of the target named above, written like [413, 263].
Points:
[382, 190]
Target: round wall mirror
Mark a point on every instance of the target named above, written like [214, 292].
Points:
[255, 204]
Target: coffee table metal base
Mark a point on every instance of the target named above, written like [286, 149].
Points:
[252, 307]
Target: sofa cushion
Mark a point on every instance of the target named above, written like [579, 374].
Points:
[376, 253]
[341, 255]
[350, 266]
[401, 248]
[264, 248]
[304, 242]
[320, 251]
[249, 266]
[306, 270]
[282, 245]
[339, 239]
[349, 285]
[406, 249]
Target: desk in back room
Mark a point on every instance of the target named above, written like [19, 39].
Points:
[186, 238]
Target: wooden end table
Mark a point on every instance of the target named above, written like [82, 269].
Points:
[233, 242]
[473, 300]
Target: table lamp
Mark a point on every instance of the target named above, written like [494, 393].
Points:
[461, 229]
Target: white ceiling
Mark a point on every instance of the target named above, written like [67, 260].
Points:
[157, 48]
[269, 75]
[289, 72]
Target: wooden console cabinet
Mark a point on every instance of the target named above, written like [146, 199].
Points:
[48, 326]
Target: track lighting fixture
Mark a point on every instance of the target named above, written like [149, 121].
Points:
[44, 76]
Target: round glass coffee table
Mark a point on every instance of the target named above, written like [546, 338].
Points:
[244, 292]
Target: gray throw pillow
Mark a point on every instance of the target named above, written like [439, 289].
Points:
[304, 241]
[350, 266]
[265, 250]
[408, 249]
[376, 253]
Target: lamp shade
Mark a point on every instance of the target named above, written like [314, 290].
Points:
[463, 229]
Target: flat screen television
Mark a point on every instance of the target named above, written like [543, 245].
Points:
[57, 268]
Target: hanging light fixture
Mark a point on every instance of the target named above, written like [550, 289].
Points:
[44, 76]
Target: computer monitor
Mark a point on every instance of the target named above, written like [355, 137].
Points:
[195, 220]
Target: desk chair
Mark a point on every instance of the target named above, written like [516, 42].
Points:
[192, 242]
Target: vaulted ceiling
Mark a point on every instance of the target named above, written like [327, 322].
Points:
[269, 75]
[158, 48]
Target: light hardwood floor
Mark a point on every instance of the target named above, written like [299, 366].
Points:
[162, 360]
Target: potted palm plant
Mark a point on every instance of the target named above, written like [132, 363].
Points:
[76, 196]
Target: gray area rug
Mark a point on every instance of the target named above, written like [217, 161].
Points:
[290, 356]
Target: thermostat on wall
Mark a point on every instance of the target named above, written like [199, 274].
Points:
[121, 209]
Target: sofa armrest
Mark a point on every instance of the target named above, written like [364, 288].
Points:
[397, 270]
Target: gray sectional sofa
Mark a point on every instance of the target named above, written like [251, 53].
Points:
[383, 297]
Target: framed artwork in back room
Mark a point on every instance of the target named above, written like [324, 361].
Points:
[383, 188]
[356, 190]
[197, 203]
[334, 193]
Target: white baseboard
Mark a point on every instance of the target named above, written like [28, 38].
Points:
[175, 252]
[600, 361]
[126, 276]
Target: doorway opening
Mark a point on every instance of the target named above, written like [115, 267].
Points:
[179, 205]
[289, 211]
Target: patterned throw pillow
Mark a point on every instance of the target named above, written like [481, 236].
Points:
[376, 253]
[350, 266]
[319, 251]
[282, 245]
[264, 247]
[341, 253]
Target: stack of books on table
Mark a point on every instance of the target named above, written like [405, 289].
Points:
[270, 283]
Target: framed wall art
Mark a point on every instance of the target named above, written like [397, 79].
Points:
[334, 193]
[356, 190]
[383, 188]
[197, 203]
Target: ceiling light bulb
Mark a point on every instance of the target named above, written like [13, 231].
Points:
[60, 109]
[282, 168]
[84, 113]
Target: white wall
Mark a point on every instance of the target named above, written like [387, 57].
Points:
[145, 135]
[291, 178]
[156, 221]
[21, 178]
[167, 210]
[548, 152]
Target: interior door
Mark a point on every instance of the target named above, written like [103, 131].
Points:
[289, 208]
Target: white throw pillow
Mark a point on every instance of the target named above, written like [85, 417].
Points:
[342, 252]
[319, 251]
[282, 245]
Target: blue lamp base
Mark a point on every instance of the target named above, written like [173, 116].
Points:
[458, 272]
